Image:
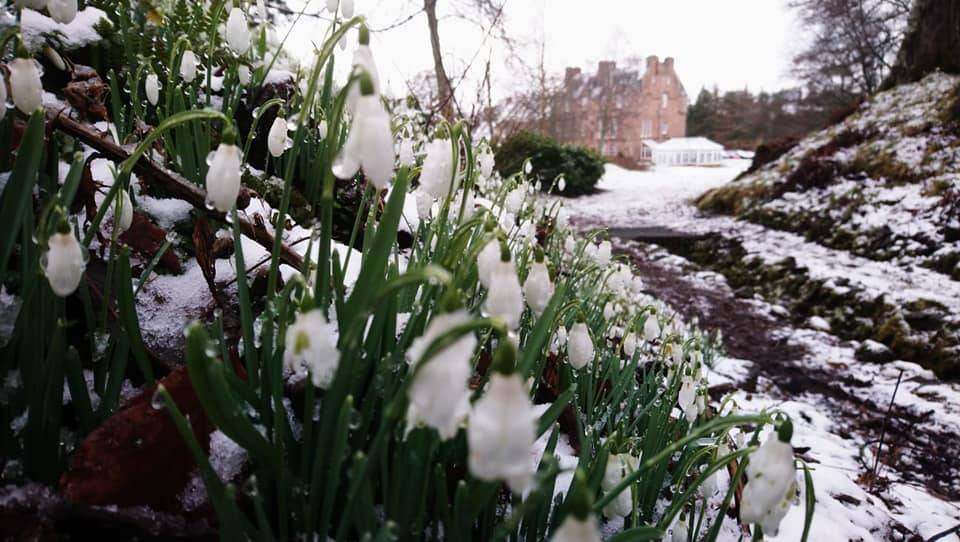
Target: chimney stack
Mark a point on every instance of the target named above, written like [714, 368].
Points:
[668, 63]
[652, 63]
[572, 73]
[605, 70]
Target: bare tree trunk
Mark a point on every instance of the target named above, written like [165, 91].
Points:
[444, 90]
[932, 42]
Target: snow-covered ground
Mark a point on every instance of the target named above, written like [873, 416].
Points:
[846, 509]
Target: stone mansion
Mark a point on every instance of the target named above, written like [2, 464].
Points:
[615, 110]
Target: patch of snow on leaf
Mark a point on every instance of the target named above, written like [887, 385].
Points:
[37, 28]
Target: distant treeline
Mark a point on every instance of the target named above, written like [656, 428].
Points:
[740, 119]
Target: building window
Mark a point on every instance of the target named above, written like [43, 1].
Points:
[664, 128]
[646, 129]
[663, 100]
[610, 148]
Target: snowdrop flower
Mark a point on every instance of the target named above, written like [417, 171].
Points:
[125, 207]
[238, 34]
[609, 310]
[680, 531]
[580, 346]
[562, 184]
[651, 328]
[559, 339]
[322, 129]
[538, 288]
[437, 175]
[277, 138]
[405, 154]
[311, 346]
[223, 176]
[262, 10]
[603, 254]
[424, 204]
[346, 8]
[618, 467]
[772, 482]
[152, 88]
[504, 296]
[64, 261]
[440, 392]
[687, 394]
[630, 344]
[514, 201]
[487, 259]
[486, 161]
[710, 485]
[62, 11]
[574, 529]
[188, 66]
[3, 97]
[25, 87]
[363, 62]
[501, 432]
[243, 74]
[332, 5]
[528, 167]
[370, 143]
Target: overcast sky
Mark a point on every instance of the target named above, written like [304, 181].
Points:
[729, 43]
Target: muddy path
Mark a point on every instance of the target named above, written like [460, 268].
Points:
[914, 451]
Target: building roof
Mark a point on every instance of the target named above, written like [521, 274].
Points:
[684, 144]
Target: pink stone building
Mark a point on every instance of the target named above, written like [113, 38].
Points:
[615, 110]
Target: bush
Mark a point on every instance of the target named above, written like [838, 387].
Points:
[580, 166]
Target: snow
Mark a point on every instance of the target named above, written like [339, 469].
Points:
[9, 310]
[167, 212]
[37, 28]
[845, 510]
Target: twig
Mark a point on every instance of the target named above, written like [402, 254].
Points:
[883, 430]
[172, 182]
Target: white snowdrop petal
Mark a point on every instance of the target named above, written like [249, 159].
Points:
[62, 11]
[580, 346]
[237, 33]
[25, 86]
[64, 263]
[223, 177]
[277, 137]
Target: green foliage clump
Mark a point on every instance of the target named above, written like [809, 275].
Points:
[580, 167]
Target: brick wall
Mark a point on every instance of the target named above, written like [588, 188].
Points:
[614, 110]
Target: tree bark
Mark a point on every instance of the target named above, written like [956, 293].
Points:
[444, 90]
[932, 42]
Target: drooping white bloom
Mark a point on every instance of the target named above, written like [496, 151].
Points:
[440, 392]
[609, 310]
[125, 206]
[504, 296]
[188, 66]
[238, 33]
[687, 394]
[514, 201]
[562, 184]
[651, 328]
[580, 346]
[262, 10]
[322, 129]
[710, 485]
[437, 175]
[277, 138]
[424, 204]
[501, 432]
[603, 254]
[62, 11]
[486, 161]
[311, 346]
[223, 177]
[346, 8]
[618, 467]
[488, 258]
[680, 531]
[369, 145]
[405, 154]
[332, 5]
[152, 88]
[25, 86]
[559, 339]
[63, 263]
[538, 288]
[243, 74]
[630, 344]
[771, 487]
[574, 529]
[3, 97]
[363, 62]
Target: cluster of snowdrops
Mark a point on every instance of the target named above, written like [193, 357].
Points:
[502, 377]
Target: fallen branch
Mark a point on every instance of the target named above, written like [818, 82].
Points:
[172, 182]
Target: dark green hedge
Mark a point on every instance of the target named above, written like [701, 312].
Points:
[580, 166]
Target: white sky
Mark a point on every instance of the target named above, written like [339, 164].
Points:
[729, 43]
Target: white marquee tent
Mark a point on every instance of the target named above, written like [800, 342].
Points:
[683, 151]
